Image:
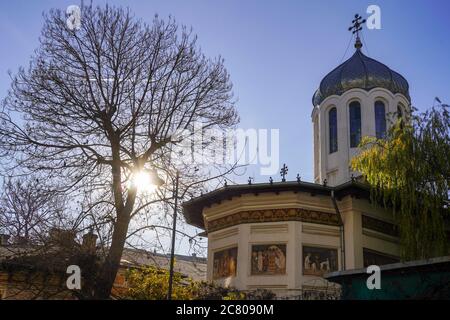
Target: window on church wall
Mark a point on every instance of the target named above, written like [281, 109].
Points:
[332, 124]
[380, 120]
[355, 123]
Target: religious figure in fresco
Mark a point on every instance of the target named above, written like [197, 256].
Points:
[325, 265]
[260, 261]
[318, 261]
[307, 263]
[268, 259]
[225, 263]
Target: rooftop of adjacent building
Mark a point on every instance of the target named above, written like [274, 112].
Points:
[22, 255]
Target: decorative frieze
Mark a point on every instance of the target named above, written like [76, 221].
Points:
[273, 215]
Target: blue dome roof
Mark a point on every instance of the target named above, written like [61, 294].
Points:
[361, 72]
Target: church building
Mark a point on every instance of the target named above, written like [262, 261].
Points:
[284, 236]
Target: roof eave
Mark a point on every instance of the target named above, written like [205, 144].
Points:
[193, 209]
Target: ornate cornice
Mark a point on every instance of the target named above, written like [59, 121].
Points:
[273, 215]
[193, 209]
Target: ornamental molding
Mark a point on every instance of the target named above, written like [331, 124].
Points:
[272, 215]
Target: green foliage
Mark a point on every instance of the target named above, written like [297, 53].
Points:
[151, 283]
[409, 172]
[210, 291]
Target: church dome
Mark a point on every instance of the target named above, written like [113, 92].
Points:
[360, 72]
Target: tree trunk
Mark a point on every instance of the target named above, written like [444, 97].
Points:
[111, 265]
[108, 272]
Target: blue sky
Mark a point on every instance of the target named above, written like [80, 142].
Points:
[277, 52]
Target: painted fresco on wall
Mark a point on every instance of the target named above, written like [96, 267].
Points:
[318, 261]
[225, 263]
[268, 259]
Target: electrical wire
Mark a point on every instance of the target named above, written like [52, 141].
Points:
[346, 50]
[364, 43]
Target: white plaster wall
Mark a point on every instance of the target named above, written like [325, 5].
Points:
[295, 234]
[335, 167]
[294, 238]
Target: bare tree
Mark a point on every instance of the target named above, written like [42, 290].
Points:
[100, 104]
[28, 211]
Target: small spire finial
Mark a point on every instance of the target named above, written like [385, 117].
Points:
[283, 172]
[356, 28]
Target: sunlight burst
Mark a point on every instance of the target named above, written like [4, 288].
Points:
[143, 181]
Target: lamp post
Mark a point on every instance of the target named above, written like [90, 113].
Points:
[174, 229]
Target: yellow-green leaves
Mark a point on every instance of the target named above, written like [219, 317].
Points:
[409, 172]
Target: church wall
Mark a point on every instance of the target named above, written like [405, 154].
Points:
[357, 237]
[376, 243]
[294, 235]
[317, 236]
[293, 238]
[374, 240]
[335, 167]
[289, 233]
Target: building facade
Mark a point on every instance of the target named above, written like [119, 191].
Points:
[285, 236]
[30, 272]
[361, 97]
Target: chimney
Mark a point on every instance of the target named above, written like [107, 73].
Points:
[4, 240]
[65, 238]
[89, 242]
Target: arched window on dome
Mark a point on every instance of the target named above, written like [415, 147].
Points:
[355, 123]
[380, 120]
[332, 124]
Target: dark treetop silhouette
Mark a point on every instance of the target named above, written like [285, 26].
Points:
[100, 103]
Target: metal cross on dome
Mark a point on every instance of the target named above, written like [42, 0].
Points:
[357, 22]
[283, 172]
[356, 28]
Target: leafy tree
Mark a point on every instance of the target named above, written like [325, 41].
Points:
[151, 283]
[409, 171]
